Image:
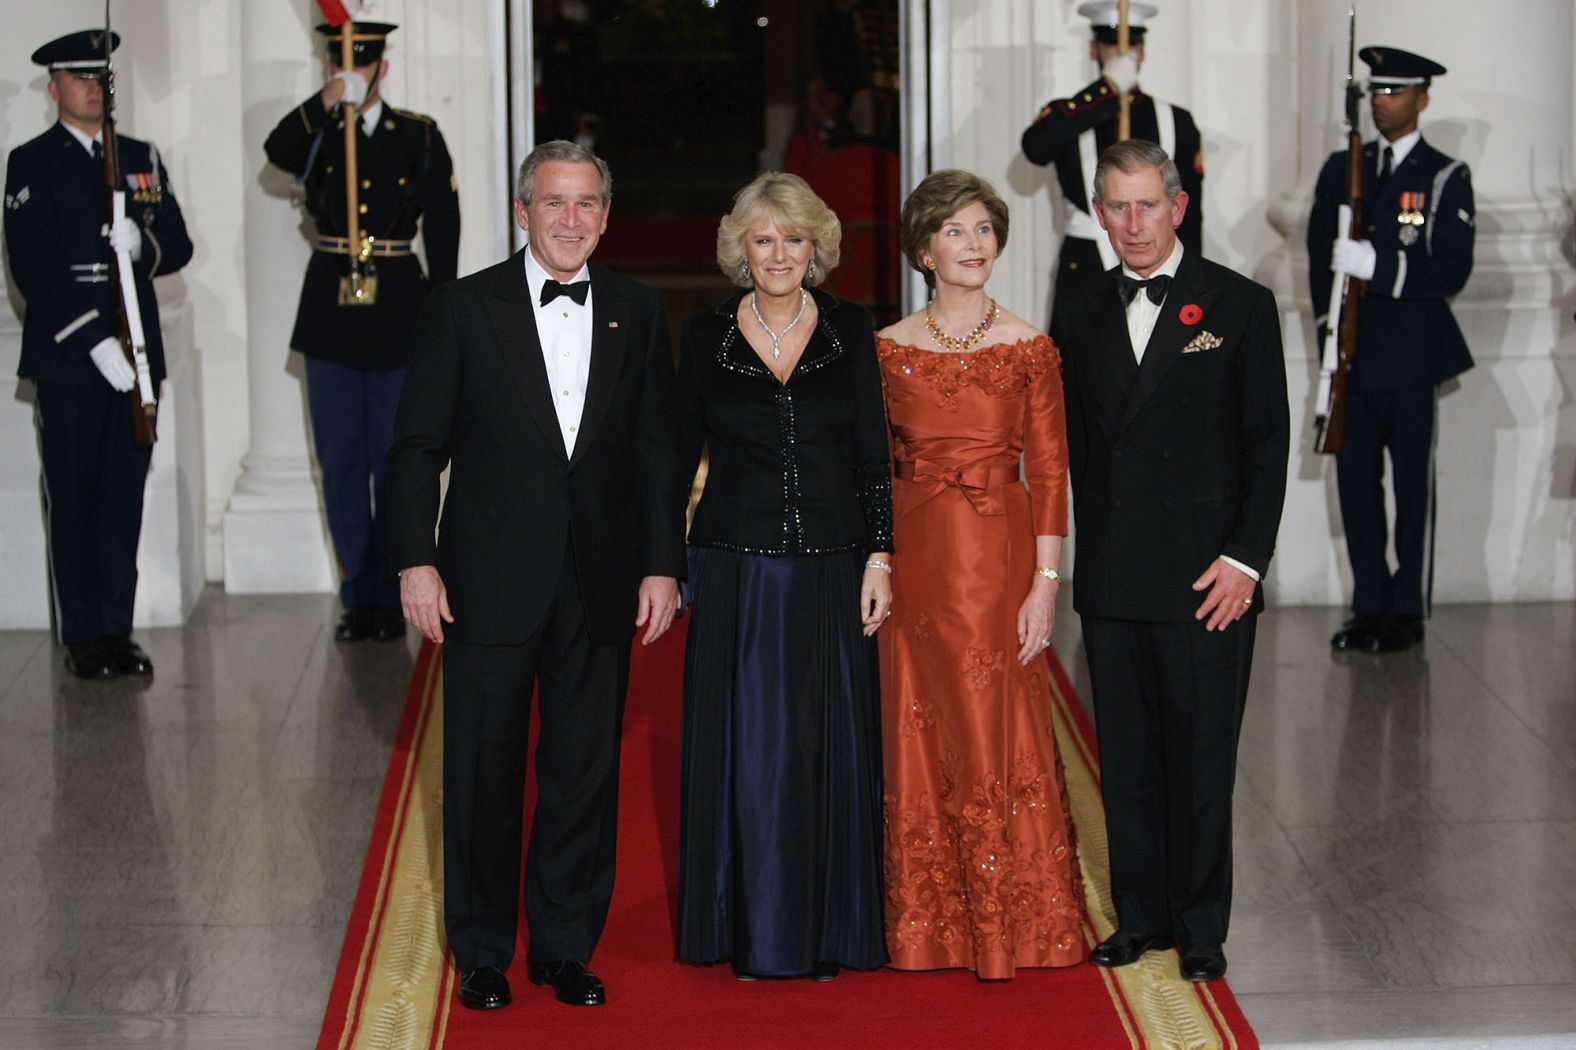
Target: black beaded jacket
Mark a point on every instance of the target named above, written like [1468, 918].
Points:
[800, 467]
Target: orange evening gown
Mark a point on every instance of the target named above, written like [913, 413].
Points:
[981, 861]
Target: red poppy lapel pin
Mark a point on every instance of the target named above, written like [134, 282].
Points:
[1190, 314]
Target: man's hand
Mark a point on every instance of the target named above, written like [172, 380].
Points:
[126, 236]
[1122, 72]
[345, 86]
[1230, 595]
[659, 603]
[425, 601]
[1354, 259]
[110, 360]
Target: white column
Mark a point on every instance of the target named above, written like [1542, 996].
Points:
[1505, 477]
[275, 537]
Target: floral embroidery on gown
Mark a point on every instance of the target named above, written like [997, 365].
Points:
[981, 858]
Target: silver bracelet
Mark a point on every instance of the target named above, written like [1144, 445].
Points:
[883, 566]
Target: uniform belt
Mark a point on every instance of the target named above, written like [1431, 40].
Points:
[385, 249]
[975, 480]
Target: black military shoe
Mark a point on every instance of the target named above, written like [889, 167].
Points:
[388, 625]
[354, 625]
[127, 656]
[1396, 633]
[484, 988]
[1357, 635]
[572, 981]
[90, 660]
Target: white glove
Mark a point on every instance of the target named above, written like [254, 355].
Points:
[1354, 259]
[355, 88]
[112, 364]
[126, 236]
[1122, 70]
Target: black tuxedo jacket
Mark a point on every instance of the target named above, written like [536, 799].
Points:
[476, 400]
[1181, 459]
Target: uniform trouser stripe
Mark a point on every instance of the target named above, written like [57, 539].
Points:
[1432, 514]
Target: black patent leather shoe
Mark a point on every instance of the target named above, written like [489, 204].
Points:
[825, 971]
[90, 660]
[1123, 948]
[354, 625]
[388, 625]
[1204, 963]
[572, 981]
[484, 988]
[1396, 633]
[1357, 634]
[127, 656]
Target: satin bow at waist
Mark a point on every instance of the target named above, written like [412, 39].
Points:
[979, 482]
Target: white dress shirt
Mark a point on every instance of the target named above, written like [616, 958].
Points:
[1141, 313]
[1398, 150]
[564, 327]
[369, 117]
[83, 137]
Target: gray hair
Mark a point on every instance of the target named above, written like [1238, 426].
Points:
[1130, 156]
[564, 150]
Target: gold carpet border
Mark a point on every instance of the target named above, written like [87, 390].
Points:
[1169, 1012]
[403, 962]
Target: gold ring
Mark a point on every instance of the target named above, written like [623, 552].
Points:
[1247, 601]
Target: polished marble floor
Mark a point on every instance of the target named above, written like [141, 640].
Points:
[178, 858]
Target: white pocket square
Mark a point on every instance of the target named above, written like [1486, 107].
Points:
[1202, 341]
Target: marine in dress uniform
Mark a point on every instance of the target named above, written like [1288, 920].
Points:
[60, 246]
[1416, 252]
[1071, 133]
[356, 355]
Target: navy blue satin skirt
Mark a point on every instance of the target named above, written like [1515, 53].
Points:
[780, 827]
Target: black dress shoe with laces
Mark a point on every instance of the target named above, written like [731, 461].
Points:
[1204, 963]
[572, 981]
[1123, 948]
[354, 625]
[388, 625]
[127, 656]
[90, 660]
[484, 988]
[1357, 634]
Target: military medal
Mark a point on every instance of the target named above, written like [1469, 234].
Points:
[1410, 217]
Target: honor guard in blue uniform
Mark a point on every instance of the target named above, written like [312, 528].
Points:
[1071, 133]
[1415, 253]
[356, 348]
[62, 247]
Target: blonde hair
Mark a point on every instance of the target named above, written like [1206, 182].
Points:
[938, 197]
[788, 201]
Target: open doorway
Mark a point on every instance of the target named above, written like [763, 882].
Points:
[688, 100]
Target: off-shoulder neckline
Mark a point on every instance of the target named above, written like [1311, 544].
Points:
[1038, 339]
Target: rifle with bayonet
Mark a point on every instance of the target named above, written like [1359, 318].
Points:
[123, 282]
[1340, 339]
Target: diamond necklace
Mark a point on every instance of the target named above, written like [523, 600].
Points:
[958, 346]
[778, 337]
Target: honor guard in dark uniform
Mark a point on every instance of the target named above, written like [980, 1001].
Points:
[1071, 133]
[1415, 254]
[357, 346]
[62, 248]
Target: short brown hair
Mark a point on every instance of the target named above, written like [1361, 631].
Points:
[790, 202]
[938, 197]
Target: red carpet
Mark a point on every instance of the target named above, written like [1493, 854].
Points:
[393, 988]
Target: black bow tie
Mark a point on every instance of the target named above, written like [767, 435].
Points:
[1156, 287]
[576, 291]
